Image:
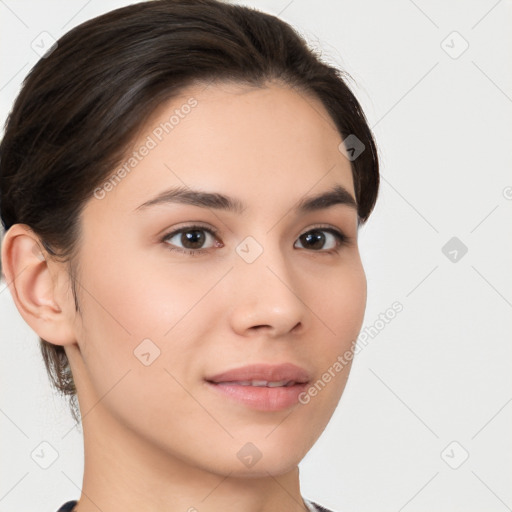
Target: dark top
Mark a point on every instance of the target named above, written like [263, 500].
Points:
[319, 507]
[68, 506]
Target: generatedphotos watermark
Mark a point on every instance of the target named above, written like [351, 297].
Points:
[366, 334]
[151, 142]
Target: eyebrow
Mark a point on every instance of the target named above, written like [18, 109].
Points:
[337, 195]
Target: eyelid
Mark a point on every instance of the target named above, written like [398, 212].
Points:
[190, 227]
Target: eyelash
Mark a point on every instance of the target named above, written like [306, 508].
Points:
[341, 238]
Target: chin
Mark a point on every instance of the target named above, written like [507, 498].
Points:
[278, 465]
[253, 459]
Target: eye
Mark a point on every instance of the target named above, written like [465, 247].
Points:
[316, 239]
[192, 238]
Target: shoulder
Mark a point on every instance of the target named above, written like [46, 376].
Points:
[68, 506]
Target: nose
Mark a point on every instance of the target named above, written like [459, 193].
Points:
[265, 298]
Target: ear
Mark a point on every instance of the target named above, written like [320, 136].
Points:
[38, 286]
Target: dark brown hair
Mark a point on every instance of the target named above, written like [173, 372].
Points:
[82, 104]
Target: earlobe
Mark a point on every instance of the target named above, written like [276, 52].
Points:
[34, 285]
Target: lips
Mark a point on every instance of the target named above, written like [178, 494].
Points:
[263, 374]
[261, 383]
[261, 387]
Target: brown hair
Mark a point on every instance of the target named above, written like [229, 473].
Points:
[81, 105]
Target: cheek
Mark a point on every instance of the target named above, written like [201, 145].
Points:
[140, 298]
[352, 300]
[341, 306]
[136, 339]
[142, 318]
[341, 311]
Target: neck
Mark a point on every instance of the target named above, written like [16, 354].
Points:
[125, 473]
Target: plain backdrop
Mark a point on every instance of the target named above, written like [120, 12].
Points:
[425, 419]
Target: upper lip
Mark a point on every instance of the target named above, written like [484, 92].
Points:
[267, 372]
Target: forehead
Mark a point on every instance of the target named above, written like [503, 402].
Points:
[244, 141]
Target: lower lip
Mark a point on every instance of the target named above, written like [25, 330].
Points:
[261, 398]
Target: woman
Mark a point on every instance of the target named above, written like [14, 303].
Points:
[182, 184]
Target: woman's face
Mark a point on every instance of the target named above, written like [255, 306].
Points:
[175, 293]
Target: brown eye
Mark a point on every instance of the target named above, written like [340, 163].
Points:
[190, 239]
[316, 239]
[193, 239]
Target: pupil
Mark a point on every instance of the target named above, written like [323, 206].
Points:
[195, 236]
[312, 237]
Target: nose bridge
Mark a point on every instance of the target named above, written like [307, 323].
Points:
[264, 291]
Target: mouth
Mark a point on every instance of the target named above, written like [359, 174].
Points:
[261, 387]
[259, 383]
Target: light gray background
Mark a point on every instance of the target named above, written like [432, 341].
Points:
[441, 370]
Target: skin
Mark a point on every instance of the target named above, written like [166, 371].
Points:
[155, 437]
